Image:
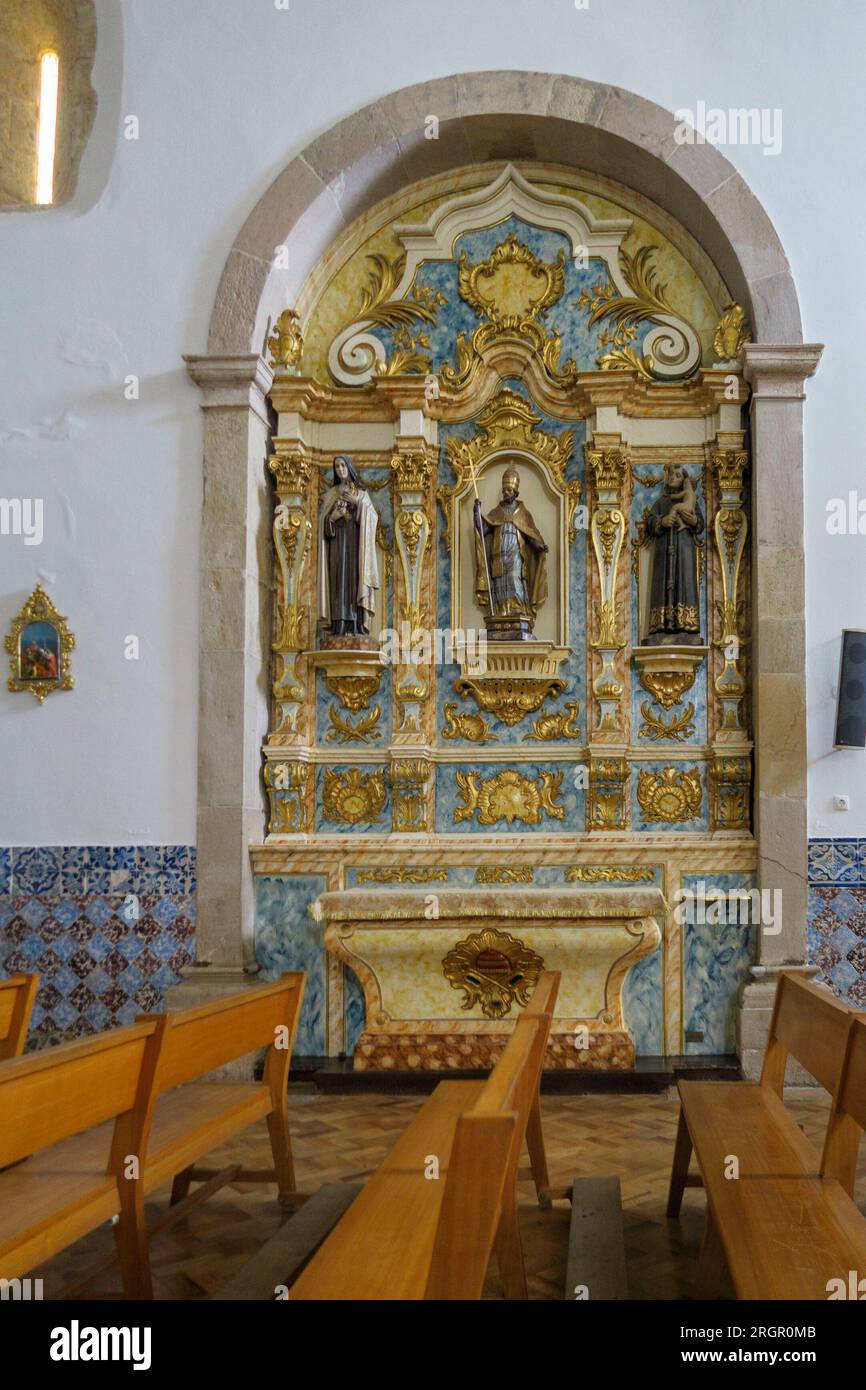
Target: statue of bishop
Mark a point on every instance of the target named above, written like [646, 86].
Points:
[510, 565]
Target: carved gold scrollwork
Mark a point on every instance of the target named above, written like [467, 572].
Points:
[411, 473]
[354, 692]
[730, 530]
[287, 789]
[679, 727]
[505, 873]
[732, 333]
[607, 801]
[287, 343]
[493, 969]
[509, 796]
[667, 687]
[562, 724]
[353, 797]
[672, 795]
[292, 536]
[627, 873]
[410, 778]
[473, 727]
[508, 422]
[730, 776]
[510, 699]
[609, 470]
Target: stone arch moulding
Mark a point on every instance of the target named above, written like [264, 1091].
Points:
[381, 149]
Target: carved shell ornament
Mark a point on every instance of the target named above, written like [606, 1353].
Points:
[511, 291]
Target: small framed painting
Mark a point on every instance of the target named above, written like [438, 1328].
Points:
[39, 645]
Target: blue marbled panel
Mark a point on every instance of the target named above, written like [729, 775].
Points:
[287, 938]
[642, 1005]
[449, 797]
[355, 1009]
[716, 960]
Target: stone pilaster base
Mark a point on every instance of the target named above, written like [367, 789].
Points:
[754, 1011]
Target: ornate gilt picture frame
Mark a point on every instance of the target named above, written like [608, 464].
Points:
[39, 644]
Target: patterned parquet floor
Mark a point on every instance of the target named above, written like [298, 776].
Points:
[345, 1137]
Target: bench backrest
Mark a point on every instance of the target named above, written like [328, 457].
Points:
[51, 1095]
[485, 1154]
[809, 1025]
[200, 1039]
[848, 1116]
[17, 994]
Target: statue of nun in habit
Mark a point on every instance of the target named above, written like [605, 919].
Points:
[348, 568]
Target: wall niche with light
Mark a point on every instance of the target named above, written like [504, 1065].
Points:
[47, 102]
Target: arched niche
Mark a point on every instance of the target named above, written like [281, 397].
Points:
[340, 178]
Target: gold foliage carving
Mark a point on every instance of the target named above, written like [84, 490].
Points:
[668, 687]
[671, 795]
[364, 730]
[287, 344]
[732, 333]
[504, 873]
[509, 796]
[473, 727]
[627, 873]
[512, 285]
[679, 727]
[354, 692]
[562, 724]
[402, 875]
[509, 699]
[509, 422]
[354, 796]
[494, 969]
[647, 301]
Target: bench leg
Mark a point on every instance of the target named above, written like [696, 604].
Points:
[509, 1250]
[712, 1265]
[180, 1186]
[680, 1166]
[537, 1156]
[281, 1147]
[130, 1233]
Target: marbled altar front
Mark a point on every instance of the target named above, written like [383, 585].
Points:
[445, 972]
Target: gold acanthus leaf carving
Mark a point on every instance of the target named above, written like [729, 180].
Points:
[627, 873]
[364, 730]
[509, 796]
[354, 692]
[732, 333]
[671, 795]
[504, 873]
[510, 698]
[287, 343]
[508, 422]
[352, 797]
[562, 724]
[410, 524]
[679, 727]
[668, 687]
[493, 969]
[402, 875]
[648, 300]
[473, 727]
[512, 285]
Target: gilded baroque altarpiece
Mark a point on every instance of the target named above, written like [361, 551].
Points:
[509, 320]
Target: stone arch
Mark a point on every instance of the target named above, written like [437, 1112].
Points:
[486, 117]
[500, 115]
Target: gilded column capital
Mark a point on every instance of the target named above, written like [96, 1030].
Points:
[412, 471]
[608, 468]
[292, 471]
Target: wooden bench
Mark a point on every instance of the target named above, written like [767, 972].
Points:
[17, 994]
[781, 1228]
[47, 1097]
[176, 1119]
[413, 1235]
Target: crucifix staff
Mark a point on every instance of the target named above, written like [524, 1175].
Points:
[480, 521]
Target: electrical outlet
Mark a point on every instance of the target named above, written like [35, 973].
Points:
[842, 803]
